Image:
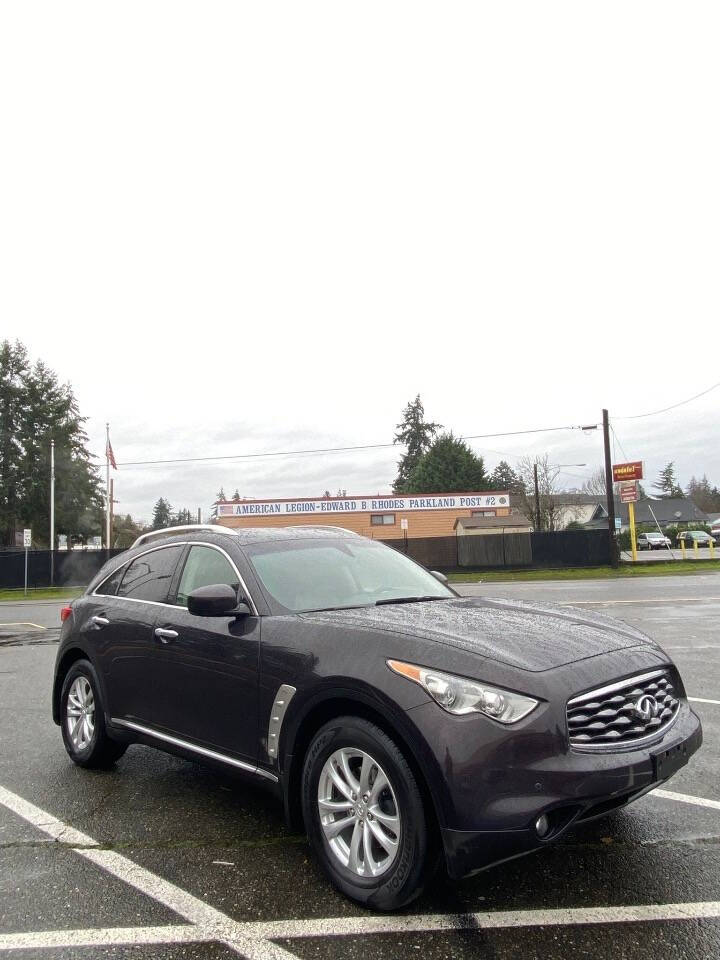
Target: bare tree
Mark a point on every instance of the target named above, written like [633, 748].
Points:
[556, 510]
[595, 484]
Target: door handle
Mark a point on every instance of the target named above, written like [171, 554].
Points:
[100, 621]
[165, 636]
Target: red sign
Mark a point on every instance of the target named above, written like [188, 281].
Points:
[627, 471]
[628, 491]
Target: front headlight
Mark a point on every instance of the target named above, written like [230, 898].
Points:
[460, 696]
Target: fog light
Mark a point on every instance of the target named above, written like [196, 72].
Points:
[542, 826]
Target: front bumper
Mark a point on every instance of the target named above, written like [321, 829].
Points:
[576, 787]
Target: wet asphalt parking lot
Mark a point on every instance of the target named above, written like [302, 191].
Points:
[164, 858]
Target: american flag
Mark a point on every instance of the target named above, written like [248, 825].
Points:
[109, 454]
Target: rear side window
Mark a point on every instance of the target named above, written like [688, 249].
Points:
[109, 587]
[205, 566]
[148, 577]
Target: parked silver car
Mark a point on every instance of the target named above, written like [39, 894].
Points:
[653, 541]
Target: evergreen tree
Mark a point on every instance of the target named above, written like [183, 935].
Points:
[704, 496]
[126, 531]
[221, 494]
[162, 515]
[504, 477]
[182, 518]
[35, 409]
[236, 495]
[666, 482]
[448, 466]
[416, 434]
[13, 373]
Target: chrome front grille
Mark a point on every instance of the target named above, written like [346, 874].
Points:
[624, 712]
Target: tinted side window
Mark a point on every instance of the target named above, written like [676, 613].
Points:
[148, 577]
[203, 567]
[109, 586]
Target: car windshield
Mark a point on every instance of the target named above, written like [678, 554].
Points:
[655, 536]
[304, 575]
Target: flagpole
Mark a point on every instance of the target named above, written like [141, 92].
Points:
[52, 512]
[107, 488]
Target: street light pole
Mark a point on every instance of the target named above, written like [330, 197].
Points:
[52, 513]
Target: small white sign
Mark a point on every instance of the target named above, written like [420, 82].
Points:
[27, 538]
[403, 523]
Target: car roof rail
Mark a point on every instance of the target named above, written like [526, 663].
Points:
[171, 531]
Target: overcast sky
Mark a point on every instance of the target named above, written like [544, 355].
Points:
[253, 227]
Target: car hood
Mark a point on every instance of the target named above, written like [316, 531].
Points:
[530, 636]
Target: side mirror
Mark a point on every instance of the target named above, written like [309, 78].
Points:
[216, 600]
[440, 576]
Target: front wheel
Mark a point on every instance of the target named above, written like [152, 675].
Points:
[364, 814]
[82, 720]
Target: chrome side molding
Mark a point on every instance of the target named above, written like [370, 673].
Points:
[194, 748]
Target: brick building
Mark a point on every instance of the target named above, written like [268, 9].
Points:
[382, 517]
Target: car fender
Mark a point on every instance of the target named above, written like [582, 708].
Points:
[374, 705]
[75, 649]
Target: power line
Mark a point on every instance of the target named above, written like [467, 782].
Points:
[326, 450]
[616, 437]
[653, 413]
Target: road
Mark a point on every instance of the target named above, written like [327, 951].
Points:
[176, 860]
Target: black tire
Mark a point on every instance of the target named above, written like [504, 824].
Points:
[404, 878]
[95, 748]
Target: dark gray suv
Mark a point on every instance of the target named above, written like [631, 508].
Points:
[400, 725]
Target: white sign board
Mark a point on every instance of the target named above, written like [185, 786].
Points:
[403, 523]
[27, 538]
[319, 508]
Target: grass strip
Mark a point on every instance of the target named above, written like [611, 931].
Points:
[41, 593]
[623, 572]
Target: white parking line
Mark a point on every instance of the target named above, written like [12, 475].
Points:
[260, 932]
[254, 939]
[702, 700]
[21, 623]
[501, 919]
[685, 798]
[187, 906]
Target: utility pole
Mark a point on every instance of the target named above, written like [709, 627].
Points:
[113, 501]
[52, 513]
[108, 504]
[609, 489]
[538, 517]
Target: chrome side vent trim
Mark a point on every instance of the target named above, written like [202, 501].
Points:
[277, 715]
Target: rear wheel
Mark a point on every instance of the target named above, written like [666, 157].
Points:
[364, 814]
[82, 719]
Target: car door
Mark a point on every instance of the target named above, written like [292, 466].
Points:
[205, 669]
[124, 610]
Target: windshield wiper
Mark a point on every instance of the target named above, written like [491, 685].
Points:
[380, 603]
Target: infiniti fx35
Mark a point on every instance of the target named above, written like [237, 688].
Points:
[402, 726]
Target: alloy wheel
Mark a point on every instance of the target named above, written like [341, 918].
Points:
[80, 713]
[358, 812]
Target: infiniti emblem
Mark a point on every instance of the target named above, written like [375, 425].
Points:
[646, 708]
